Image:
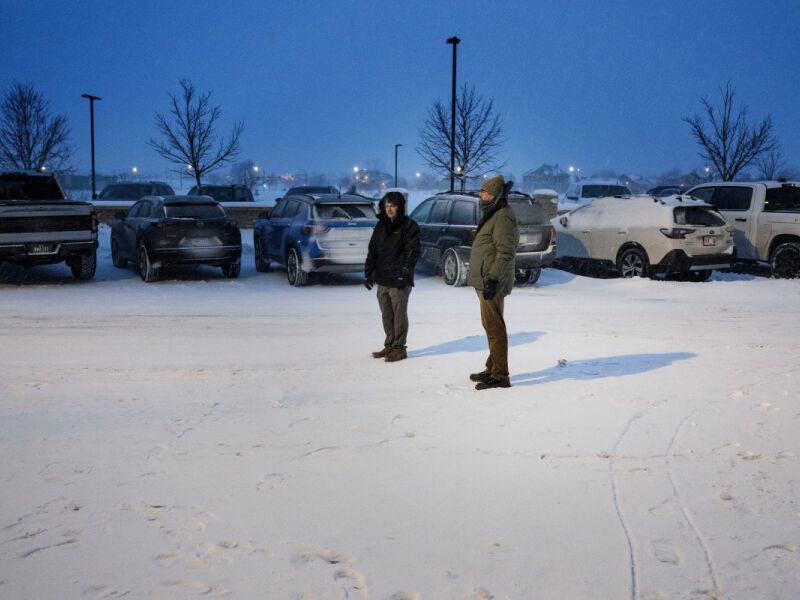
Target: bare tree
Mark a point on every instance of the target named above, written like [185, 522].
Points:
[730, 142]
[771, 165]
[189, 134]
[245, 172]
[479, 131]
[30, 137]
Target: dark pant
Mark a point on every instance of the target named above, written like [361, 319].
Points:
[394, 312]
[495, 327]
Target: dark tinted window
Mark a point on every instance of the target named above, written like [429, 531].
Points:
[135, 210]
[783, 199]
[194, 211]
[703, 194]
[127, 191]
[463, 213]
[244, 195]
[439, 212]
[292, 208]
[420, 214]
[277, 211]
[527, 211]
[344, 211]
[24, 187]
[732, 198]
[218, 193]
[163, 190]
[146, 210]
[696, 215]
[601, 191]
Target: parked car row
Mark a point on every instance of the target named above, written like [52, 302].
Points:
[711, 226]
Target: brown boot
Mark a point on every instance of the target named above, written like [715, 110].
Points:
[480, 377]
[493, 383]
[396, 354]
[381, 353]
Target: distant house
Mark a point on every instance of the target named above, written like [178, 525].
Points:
[547, 176]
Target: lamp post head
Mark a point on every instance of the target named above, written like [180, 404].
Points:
[453, 40]
[90, 97]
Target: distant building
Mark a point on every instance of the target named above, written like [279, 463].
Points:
[547, 176]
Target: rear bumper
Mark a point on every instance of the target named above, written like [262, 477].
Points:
[677, 261]
[29, 254]
[523, 260]
[210, 255]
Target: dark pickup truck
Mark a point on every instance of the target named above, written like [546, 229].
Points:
[39, 226]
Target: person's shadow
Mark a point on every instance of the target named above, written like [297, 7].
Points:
[600, 368]
[473, 343]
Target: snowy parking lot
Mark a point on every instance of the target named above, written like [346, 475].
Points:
[202, 436]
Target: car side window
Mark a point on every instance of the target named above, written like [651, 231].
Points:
[439, 212]
[277, 212]
[732, 198]
[135, 210]
[145, 212]
[783, 199]
[420, 214]
[292, 208]
[462, 213]
[703, 194]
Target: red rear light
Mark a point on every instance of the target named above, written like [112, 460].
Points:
[94, 221]
[676, 233]
[553, 235]
[472, 234]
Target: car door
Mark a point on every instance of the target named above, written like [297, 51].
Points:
[420, 216]
[271, 228]
[574, 239]
[735, 203]
[462, 223]
[436, 228]
[130, 227]
[281, 230]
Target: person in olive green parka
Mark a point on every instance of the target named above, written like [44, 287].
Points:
[491, 273]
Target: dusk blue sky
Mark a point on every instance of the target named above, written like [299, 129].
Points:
[323, 86]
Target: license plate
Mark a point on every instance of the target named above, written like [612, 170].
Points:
[200, 241]
[42, 249]
[709, 240]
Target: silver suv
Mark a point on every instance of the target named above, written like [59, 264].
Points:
[644, 235]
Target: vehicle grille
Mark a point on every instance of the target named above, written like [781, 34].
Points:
[45, 224]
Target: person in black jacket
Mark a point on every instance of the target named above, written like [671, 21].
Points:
[393, 252]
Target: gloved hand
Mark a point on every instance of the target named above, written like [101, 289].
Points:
[368, 283]
[489, 289]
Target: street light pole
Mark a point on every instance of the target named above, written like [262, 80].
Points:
[91, 100]
[454, 41]
[396, 146]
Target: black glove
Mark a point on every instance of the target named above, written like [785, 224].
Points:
[490, 289]
[368, 283]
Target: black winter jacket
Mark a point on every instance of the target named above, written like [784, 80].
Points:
[393, 251]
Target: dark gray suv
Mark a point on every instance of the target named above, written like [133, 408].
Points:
[448, 222]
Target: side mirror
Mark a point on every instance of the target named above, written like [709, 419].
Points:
[120, 215]
[263, 214]
[563, 221]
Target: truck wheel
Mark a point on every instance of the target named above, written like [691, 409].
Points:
[785, 261]
[527, 276]
[147, 271]
[454, 272]
[262, 264]
[633, 263]
[232, 270]
[84, 267]
[116, 259]
[294, 271]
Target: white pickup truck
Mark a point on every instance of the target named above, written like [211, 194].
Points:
[766, 219]
[38, 225]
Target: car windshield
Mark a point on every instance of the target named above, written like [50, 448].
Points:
[527, 211]
[220, 194]
[697, 215]
[344, 211]
[194, 211]
[312, 189]
[601, 191]
[24, 187]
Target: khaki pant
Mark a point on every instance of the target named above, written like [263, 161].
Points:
[394, 312]
[495, 327]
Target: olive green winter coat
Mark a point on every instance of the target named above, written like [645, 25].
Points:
[494, 250]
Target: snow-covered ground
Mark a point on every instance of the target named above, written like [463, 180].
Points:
[200, 436]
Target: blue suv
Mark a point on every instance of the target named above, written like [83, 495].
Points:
[309, 233]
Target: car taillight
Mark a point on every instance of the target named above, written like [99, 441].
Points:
[553, 235]
[677, 233]
[309, 229]
[94, 221]
[730, 229]
[472, 234]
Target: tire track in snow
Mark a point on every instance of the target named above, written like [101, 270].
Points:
[633, 565]
[687, 516]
